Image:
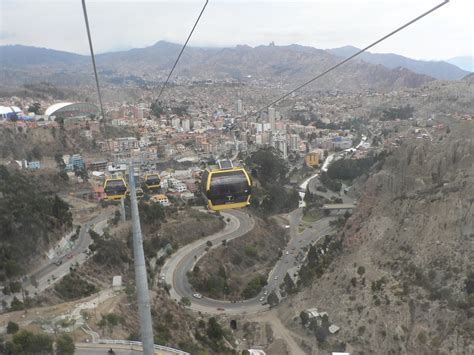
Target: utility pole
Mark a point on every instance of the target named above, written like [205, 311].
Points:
[144, 309]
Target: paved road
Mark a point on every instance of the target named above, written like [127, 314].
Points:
[184, 259]
[180, 263]
[102, 349]
[48, 273]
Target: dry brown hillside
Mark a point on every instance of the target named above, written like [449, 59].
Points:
[400, 284]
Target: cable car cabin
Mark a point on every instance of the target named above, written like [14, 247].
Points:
[152, 181]
[226, 187]
[115, 188]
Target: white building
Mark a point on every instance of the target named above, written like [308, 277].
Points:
[294, 142]
[239, 107]
[197, 124]
[175, 122]
[186, 125]
[272, 118]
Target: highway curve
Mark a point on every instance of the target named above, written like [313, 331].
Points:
[184, 259]
[176, 267]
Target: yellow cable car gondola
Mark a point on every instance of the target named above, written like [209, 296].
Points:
[152, 181]
[115, 188]
[226, 187]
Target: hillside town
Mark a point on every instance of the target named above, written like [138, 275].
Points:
[304, 134]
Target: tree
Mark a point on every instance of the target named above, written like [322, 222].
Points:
[35, 108]
[25, 342]
[304, 317]
[186, 302]
[59, 161]
[214, 330]
[321, 334]
[273, 299]
[65, 345]
[151, 212]
[12, 327]
[267, 165]
[36, 153]
[16, 304]
[157, 109]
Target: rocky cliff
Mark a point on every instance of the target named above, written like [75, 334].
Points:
[403, 283]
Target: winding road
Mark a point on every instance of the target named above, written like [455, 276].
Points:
[47, 273]
[239, 223]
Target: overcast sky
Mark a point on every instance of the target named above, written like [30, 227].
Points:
[120, 24]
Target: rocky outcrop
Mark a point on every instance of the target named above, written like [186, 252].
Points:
[413, 235]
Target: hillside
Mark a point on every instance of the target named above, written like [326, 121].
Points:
[278, 65]
[242, 264]
[403, 282]
[437, 69]
[31, 220]
[20, 56]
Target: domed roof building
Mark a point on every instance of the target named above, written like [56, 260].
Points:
[69, 109]
[9, 112]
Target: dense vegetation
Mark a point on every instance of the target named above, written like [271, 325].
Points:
[401, 112]
[270, 196]
[348, 169]
[151, 213]
[238, 269]
[29, 220]
[73, 287]
[318, 260]
[108, 251]
[25, 342]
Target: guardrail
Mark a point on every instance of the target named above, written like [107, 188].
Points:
[139, 343]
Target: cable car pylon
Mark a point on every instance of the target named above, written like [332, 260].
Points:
[143, 298]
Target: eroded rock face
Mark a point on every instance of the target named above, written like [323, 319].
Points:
[413, 232]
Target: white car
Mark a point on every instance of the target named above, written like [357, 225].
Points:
[275, 278]
[265, 292]
[287, 252]
[197, 295]
[262, 299]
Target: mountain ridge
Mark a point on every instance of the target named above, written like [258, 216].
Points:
[283, 66]
[441, 70]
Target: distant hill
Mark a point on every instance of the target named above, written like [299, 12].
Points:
[18, 56]
[436, 69]
[466, 62]
[282, 66]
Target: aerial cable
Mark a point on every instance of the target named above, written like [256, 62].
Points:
[86, 19]
[181, 52]
[344, 61]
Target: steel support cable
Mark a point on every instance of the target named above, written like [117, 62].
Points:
[345, 60]
[86, 19]
[181, 52]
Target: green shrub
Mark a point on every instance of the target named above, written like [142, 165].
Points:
[73, 287]
[12, 327]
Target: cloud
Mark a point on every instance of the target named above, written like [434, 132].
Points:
[119, 24]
